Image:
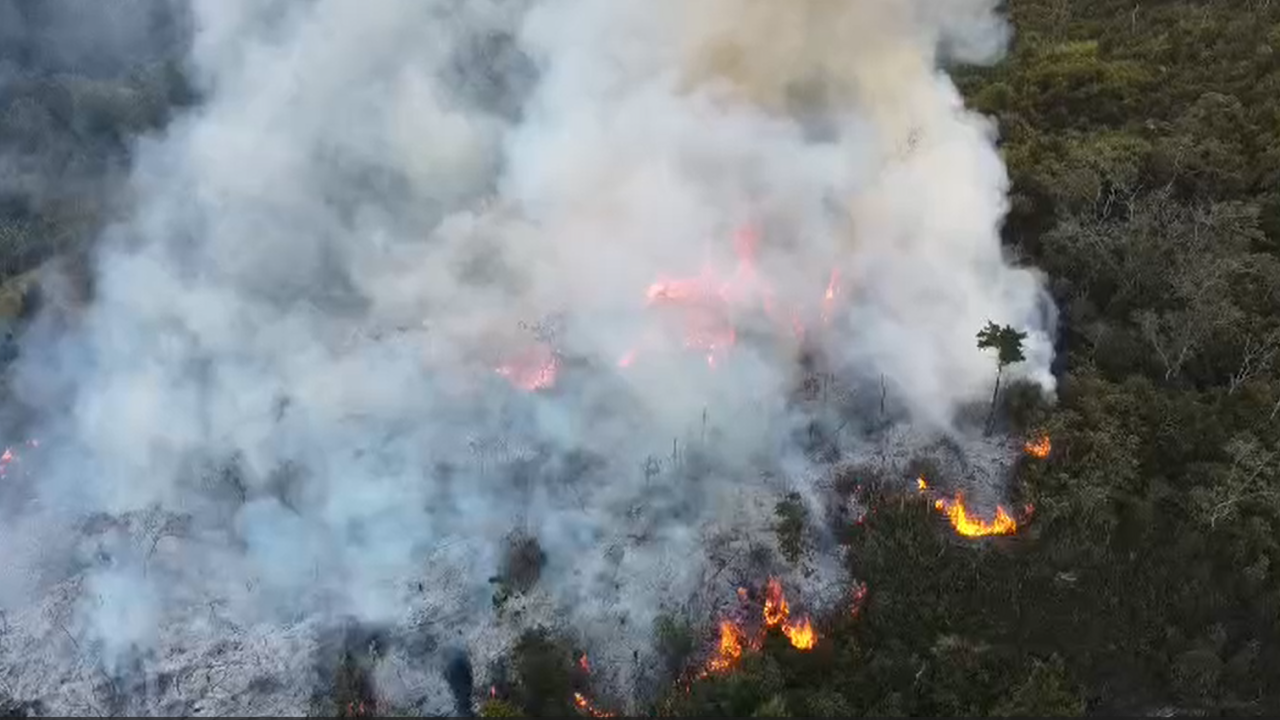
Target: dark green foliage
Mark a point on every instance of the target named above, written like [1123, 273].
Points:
[674, 639]
[1045, 692]
[543, 675]
[793, 520]
[522, 564]
[1005, 340]
[70, 113]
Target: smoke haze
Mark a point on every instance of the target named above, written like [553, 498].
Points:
[280, 411]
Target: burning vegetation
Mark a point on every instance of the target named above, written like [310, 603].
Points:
[970, 526]
[775, 615]
[1039, 448]
[964, 521]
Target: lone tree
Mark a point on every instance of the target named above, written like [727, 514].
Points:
[1008, 345]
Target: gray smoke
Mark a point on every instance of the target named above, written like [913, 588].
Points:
[282, 408]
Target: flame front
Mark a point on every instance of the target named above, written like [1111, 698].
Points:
[970, 526]
[584, 705]
[1039, 448]
[801, 634]
[777, 613]
[729, 650]
[776, 610]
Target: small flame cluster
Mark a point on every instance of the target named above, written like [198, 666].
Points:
[582, 702]
[1038, 448]
[967, 524]
[776, 614]
[586, 707]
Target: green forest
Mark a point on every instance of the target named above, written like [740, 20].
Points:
[1143, 144]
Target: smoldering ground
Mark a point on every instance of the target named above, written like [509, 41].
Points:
[280, 414]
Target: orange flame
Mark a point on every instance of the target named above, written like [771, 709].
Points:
[1039, 448]
[585, 705]
[776, 610]
[920, 483]
[969, 526]
[801, 634]
[729, 650]
[777, 613]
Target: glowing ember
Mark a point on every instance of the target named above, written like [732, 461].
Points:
[920, 483]
[729, 650]
[584, 705]
[359, 709]
[535, 369]
[969, 526]
[582, 663]
[859, 597]
[1040, 448]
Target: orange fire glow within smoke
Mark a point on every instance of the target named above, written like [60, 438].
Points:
[534, 369]
[920, 483]
[1039, 448]
[707, 306]
[9, 456]
[970, 526]
[585, 705]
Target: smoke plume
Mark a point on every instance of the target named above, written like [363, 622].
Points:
[295, 398]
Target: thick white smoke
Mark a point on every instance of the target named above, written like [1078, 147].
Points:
[281, 407]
